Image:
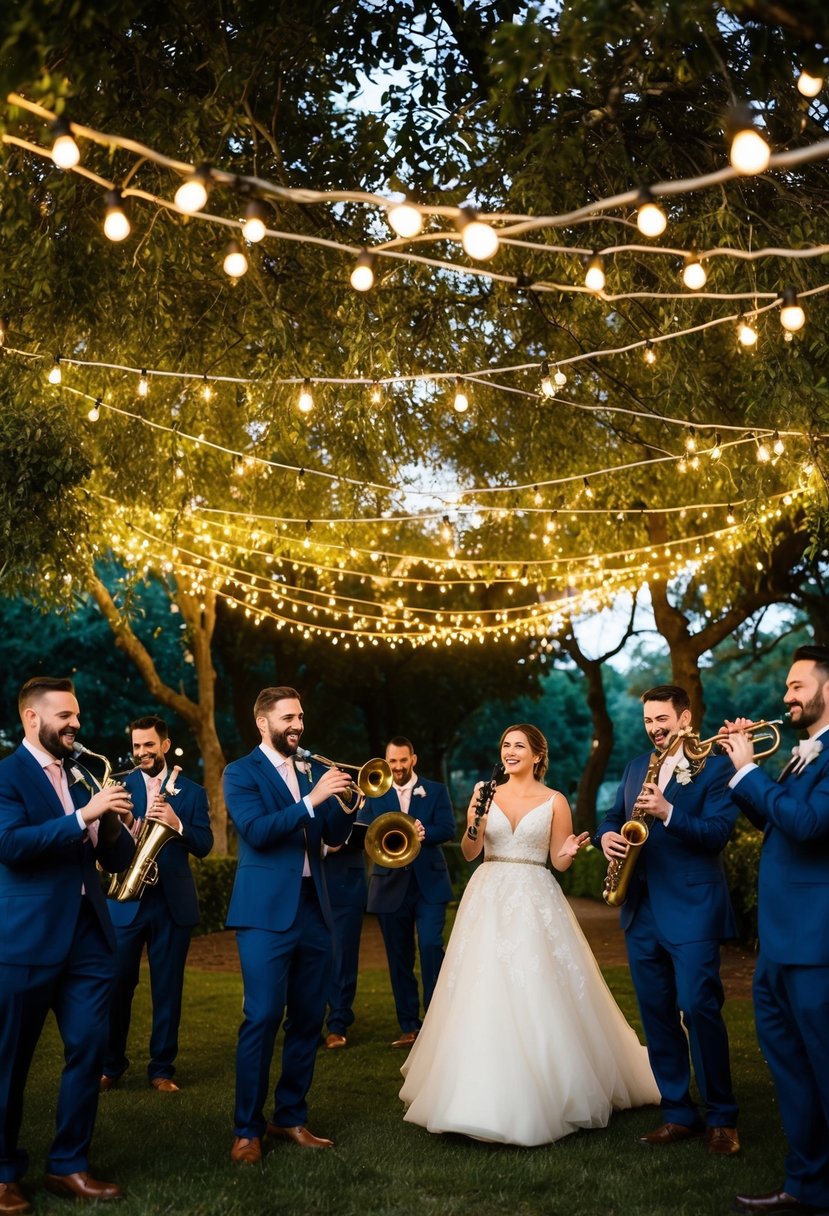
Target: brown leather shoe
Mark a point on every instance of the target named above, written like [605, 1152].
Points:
[723, 1141]
[298, 1135]
[165, 1086]
[107, 1083]
[12, 1200]
[774, 1201]
[669, 1133]
[81, 1185]
[406, 1039]
[335, 1041]
[246, 1151]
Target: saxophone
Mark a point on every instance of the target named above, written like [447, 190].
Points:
[142, 872]
[636, 831]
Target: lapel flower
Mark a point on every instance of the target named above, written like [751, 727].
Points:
[682, 772]
[419, 791]
[171, 788]
[806, 751]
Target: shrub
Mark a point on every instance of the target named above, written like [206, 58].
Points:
[214, 882]
[742, 863]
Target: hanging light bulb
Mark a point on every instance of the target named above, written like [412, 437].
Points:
[538, 497]
[235, 263]
[763, 453]
[116, 222]
[649, 354]
[206, 389]
[650, 218]
[729, 518]
[143, 384]
[559, 378]
[479, 240]
[256, 221]
[691, 440]
[778, 446]
[792, 316]
[405, 219]
[595, 279]
[808, 85]
[376, 393]
[95, 413]
[55, 372]
[461, 401]
[588, 489]
[716, 451]
[547, 388]
[362, 276]
[191, 195]
[306, 399]
[746, 334]
[749, 152]
[65, 152]
[693, 273]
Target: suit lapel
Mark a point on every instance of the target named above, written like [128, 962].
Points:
[37, 774]
[272, 777]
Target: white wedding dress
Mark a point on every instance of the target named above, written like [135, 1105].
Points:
[523, 1042]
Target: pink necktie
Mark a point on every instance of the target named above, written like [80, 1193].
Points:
[288, 774]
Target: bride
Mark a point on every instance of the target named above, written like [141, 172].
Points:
[523, 1042]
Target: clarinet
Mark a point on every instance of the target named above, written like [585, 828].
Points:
[485, 795]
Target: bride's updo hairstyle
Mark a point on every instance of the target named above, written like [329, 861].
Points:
[538, 746]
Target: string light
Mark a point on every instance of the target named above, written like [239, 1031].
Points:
[778, 446]
[588, 489]
[405, 219]
[306, 398]
[143, 384]
[808, 85]
[691, 440]
[650, 218]
[95, 412]
[595, 279]
[749, 152]
[206, 389]
[65, 152]
[746, 334]
[763, 453]
[730, 518]
[116, 222]
[4, 327]
[716, 451]
[559, 377]
[255, 223]
[693, 273]
[461, 401]
[191, 195]
[376, 395]
[792, 316]
[55, 372]
[362, 276]
[479, 240]
[235, 264]
[547, 387]
[649, 354]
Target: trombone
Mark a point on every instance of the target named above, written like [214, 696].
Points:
[372, 781]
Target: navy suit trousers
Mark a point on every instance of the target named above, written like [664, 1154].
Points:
[398, 929]
[347, 930]
[78, 990]
[284, 972]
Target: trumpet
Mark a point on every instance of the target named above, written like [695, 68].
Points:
[392, 840]
[767, 731]
[372, 781]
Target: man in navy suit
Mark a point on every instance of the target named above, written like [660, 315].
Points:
[283, 814]
[412, 897]
[791, 979]
[57, 946]
[345, 877]
[676, 914]
[166, 913]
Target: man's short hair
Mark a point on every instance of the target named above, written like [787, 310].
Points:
[668, 692]
[268, 697]
[819, 655]
[39, 686]
[401, 741]
[151, 722]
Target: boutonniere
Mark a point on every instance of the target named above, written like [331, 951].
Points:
[806, 751]
[171, 788]
[682, 772]
[419, 791]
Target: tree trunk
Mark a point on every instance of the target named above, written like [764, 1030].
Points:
[584, 812]
[200, 615]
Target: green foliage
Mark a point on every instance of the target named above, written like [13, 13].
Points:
[586, 875]
[214, 882]
[742, 864]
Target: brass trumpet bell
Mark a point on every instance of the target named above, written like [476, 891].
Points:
[392, 840]
[374, 778]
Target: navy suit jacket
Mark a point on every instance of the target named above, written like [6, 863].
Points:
[681, 865]
[793, 898]
[387, 887]
[274, 832]
[175, 879]
[45, 858]
[345, 872]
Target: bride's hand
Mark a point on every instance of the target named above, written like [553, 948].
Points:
[573, 843]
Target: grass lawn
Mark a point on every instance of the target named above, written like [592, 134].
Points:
[170, 1152]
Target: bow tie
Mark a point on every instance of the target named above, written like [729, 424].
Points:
[804, 753]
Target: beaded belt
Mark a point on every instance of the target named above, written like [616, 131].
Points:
[518, 861]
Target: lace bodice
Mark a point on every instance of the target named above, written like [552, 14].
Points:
[529, 842]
